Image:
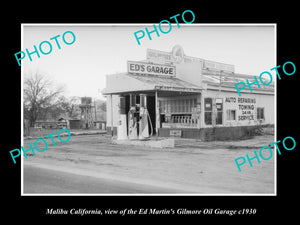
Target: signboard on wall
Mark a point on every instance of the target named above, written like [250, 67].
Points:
[154, 54]
[177, 56]
[246, 107]
[149, 68]
[218, 66]
[175, 133]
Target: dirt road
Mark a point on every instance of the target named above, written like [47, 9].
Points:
[52, 181]
[192, 167]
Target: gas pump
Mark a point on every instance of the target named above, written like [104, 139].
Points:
[122, 123]
[132, 118]
[143, 120]
[138, 117]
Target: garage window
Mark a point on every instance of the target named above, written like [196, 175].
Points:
[208, 111]
[230, 114]
[260, 113]
[219, 105]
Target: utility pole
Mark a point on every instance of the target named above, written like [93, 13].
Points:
[95, 110]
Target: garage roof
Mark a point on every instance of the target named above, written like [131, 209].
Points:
[125, 82]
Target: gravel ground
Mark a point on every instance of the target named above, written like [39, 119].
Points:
[192, 166]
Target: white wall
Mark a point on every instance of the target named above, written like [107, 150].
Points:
[112, 103]
[259, 100]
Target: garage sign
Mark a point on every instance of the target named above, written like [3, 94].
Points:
[149, 68]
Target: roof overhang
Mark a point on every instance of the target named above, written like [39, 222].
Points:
[125, 82]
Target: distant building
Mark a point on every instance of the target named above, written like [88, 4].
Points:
[46, 124]
[75, 123]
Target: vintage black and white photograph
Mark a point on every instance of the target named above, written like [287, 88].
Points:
[148, 109]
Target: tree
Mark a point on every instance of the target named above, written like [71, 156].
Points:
[39, 93]
[69, 106]
[101, 109]
[103, 106]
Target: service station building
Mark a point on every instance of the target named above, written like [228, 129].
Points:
[188, 97]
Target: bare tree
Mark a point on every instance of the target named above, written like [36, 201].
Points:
[39, 92]
[70, 106]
